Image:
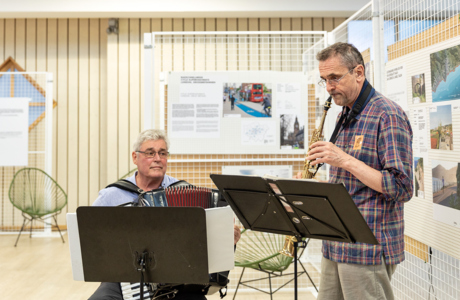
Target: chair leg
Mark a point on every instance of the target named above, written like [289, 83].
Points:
[55, 222]
[31, 225]
[270, 284]
[22, 228]
[236, 290]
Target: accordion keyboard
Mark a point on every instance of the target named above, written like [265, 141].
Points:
[132, 291]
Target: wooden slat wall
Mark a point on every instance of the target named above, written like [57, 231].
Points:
[98, 86]
[74, 50]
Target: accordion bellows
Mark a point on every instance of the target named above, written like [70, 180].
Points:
[182, 196]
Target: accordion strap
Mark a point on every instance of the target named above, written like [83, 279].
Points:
[127, 186]
[131, 187]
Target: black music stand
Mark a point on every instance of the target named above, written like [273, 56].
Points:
[155, 244]
[300, 208]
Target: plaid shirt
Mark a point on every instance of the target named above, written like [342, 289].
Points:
[387, 147]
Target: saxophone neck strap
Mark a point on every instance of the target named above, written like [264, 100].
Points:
[366, 93]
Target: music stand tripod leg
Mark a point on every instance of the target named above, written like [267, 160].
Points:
[302, 244]
[295, 270]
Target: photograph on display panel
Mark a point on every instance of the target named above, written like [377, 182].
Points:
[441, 134]
[445, 74]
[247, 100]
[292, 131]
[445, 179]
[418, 89]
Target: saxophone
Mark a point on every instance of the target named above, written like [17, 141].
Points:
[308, 172]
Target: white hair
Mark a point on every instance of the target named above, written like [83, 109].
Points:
[150, 135]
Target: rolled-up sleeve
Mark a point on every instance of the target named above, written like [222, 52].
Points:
[395, 154]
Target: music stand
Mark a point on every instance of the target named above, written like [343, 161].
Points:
[155, 244]
[300, 208]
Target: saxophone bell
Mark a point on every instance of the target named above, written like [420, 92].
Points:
[288, 248]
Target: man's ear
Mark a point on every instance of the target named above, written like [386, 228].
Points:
[360, 72]
[134, 155]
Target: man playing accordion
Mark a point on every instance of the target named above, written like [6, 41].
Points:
[150, 155]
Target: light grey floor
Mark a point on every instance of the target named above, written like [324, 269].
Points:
[39, 268]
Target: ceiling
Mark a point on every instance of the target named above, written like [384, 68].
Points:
[178, 8]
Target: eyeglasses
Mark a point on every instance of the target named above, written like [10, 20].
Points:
[152, 154]
[333, 81]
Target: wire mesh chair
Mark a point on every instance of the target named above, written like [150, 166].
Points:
[37, 196]
[261, 251]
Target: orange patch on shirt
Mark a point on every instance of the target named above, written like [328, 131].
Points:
[358, 142]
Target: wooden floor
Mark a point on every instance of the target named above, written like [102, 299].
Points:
[39, 268]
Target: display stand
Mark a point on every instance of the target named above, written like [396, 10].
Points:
[120, 244]
[296, 207]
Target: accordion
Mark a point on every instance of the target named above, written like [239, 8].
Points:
[179, 194]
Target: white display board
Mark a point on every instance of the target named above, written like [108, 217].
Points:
[223, 112]
[14, 131]
[433, 98]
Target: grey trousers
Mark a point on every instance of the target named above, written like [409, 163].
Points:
[355, 282]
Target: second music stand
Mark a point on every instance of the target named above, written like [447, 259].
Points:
[300, 208]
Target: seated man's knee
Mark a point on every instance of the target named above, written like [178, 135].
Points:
[107, 291]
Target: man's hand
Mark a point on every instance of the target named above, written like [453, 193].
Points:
[236, 233]
[327, 152]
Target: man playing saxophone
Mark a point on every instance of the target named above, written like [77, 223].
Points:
[371, 154]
